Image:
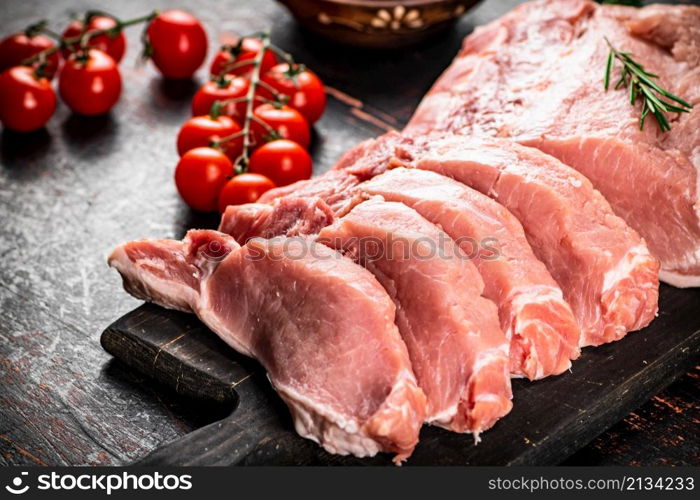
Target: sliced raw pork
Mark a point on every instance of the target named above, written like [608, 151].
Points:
[542, 329]
[287, 216]
[603, 266]
[322, 327]
[365, 160]
[332, 187]
[458, 352]
[535, 76]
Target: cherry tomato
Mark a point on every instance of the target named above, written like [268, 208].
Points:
[16, 48]
[26, 101]
[219, 90]
[285, 121]
[199, 176]
[179, 43]
[247, 50]
[90, 84]
[282, 161]
[200, 131]
[114, 46]
[244, 188]
[303, 88]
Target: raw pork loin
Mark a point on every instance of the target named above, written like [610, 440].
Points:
[535, 76]
[458, 352]
[322, 327]
[332, 187]
[604, 268]
[288, 216]
[543, 332]
[457, 349]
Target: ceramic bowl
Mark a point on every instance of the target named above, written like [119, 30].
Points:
[377, 23]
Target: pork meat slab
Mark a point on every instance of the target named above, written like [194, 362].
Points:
[384, 237]
[543, 332]
[603, 266]
[322, 327]
[535, 76]
[283, 216]
[332, 187]
[457, 349]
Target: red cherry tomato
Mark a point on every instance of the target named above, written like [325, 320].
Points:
[179, 43]
[282, 161]
[303, 88]
[16, 48]
[200, 131]
[90, 86]
[220, 90]
[26, 101]
[285, 121]
[199, 176]
[244, 188]
[114, 46]
[246, 51]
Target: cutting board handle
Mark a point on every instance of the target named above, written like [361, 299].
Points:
[181, 353]
[257, 432]
[214, 444]
[178, 351]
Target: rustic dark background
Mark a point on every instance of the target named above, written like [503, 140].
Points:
[71, 192]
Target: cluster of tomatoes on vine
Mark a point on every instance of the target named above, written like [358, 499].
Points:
[86, 57]
[250, 128]
[252, 119]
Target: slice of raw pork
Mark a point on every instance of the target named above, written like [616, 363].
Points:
[604, 268]
[321, 326]
[540, 325]
[458, 352]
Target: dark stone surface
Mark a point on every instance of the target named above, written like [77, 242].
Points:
[70, 193]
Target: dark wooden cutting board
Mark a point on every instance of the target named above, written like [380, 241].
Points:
[551, 418]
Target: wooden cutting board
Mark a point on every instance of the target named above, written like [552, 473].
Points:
[551, 418]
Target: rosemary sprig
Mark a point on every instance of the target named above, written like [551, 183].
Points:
[642, 86]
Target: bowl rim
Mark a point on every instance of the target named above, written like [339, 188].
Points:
[389, 4]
